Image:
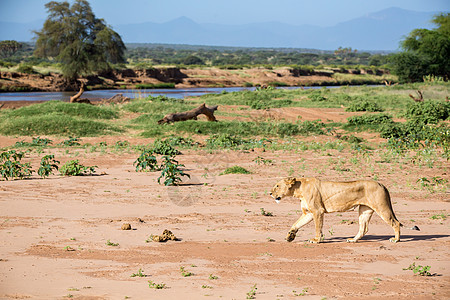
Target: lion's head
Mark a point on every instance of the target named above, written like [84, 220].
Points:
[283, 188]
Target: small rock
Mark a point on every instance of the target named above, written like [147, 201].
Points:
[126, 226]
[167, 235]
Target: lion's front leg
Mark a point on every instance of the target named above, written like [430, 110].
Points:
[318, 222]
[303, 220]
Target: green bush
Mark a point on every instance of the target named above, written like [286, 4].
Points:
[36, 142]
[11, 166]
[412, 135]
[163, 147]
[23, 68]
[364, 106]
[317, 97]
[146, 162]
[171, 172]
[428, 111]
[286, 129]
[370, 119]
[70, 142]
[74, 168]
[311, 127]
[48, 163]
[224, 141]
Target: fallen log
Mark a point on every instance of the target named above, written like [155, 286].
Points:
[191, 115]
[116, 99]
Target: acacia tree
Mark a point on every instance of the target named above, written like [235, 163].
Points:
[427, 52]
[8, 48]
[82, 43]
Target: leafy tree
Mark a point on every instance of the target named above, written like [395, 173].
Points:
[77, 39]
[193, 60]
[427, 52]
[8, 48]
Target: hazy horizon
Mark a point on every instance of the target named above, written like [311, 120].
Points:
[326, 20]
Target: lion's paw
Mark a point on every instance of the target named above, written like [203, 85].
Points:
[314, 241]
[290, 236]
[351, 241]
[394, 240]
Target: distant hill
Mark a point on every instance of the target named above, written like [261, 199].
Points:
[382, 30]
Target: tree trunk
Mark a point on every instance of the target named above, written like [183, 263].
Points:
[191, 115]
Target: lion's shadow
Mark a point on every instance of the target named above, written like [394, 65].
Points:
[403, 238]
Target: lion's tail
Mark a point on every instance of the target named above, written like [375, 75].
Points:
[415, 227]
[389, 202]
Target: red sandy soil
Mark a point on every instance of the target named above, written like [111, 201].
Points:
[221, 230]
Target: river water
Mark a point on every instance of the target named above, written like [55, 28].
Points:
[105, 94]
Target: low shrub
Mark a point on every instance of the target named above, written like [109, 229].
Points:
[370, 119]
[428, 112]
[164, 147]
[35, 142]
[311, 127]
[171, 172]
[27, 69]
[48, 163]
[226, 141]
[364, 106]
[11, 166]
[146, 162]
[74, 168]
[317, 97]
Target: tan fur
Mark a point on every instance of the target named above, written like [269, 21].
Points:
[319, 197]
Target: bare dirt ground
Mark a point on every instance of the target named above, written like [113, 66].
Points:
[55, 231]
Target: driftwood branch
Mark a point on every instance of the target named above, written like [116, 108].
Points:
[76, 98]
[420, 99]
[116, 99]
[191, 115]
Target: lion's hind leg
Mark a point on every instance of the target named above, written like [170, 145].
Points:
[389, 217]
[365, 213]
[396, 226]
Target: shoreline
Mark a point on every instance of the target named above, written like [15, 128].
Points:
[168, 78]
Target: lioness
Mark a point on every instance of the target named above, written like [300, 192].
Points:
[319, 197]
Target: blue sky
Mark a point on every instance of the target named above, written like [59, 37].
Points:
[296, 12]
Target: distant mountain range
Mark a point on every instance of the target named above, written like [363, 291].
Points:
[382, 30]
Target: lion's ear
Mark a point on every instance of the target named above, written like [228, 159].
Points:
[290, 181]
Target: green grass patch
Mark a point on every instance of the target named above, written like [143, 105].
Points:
[235, 170]
[237, 128]
[70, 109]
[55, 124]
[58, 118]
[155, 86]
